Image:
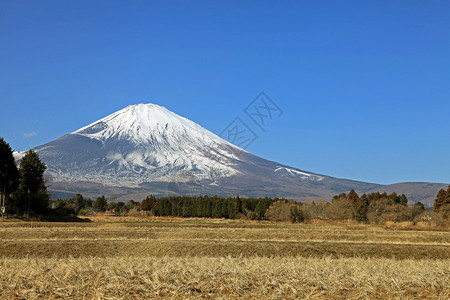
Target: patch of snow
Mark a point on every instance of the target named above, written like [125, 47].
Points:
[303, 175]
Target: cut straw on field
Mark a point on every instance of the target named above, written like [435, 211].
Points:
[192, 277]
[202, 259]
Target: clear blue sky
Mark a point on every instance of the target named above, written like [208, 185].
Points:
[364, 85]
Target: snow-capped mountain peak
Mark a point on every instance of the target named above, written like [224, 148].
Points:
[142, 143]
[143, 123]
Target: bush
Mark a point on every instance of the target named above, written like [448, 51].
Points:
[338, 209]
[441, 216]
[313, 210]
[280, 211]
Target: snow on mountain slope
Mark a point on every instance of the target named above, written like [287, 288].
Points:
[294, 172]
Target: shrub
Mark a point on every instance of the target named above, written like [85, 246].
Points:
[280, 211]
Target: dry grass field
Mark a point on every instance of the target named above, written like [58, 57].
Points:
[181, 259]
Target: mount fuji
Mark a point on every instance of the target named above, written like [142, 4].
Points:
[146, 149]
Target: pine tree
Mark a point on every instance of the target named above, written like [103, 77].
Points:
[360, 208]
[78, 202]
[393, 198]
[119, 207]
[447, 197]
[9, 175]
[146, 204]
[234, 207]
[403, 200]
[261, 207]
[100, 204]
[352, 196]
[32, 192]
[441, 199]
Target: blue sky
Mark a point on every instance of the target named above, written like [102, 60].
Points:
[364, 85]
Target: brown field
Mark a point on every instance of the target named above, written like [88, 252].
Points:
[199, 258]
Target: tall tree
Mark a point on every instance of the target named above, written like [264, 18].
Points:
[148, 203]
[9, 175]
[440, 200]
[360, 208]
[447, 197]
[352, 196]
[393, 198]
[403, 200]
[100, 204]
[32, 184]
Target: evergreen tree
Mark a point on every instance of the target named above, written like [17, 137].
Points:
[403, 200]
[352, 196]
[393, 198]
[118, 209]
[447, 197]
[149, 203]
[374, 197]
[235, 207]
[261, 207]
[167, 208]
[9, 175]
[360, 208]
[216, 209]
[146, 204]
[78, 202]
[32, 192]
[100, 204]
[441, 199]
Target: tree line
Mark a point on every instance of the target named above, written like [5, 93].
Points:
[178, 206]
[374, 208]
[208, 207]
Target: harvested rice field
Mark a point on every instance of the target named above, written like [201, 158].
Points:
[181, 259]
